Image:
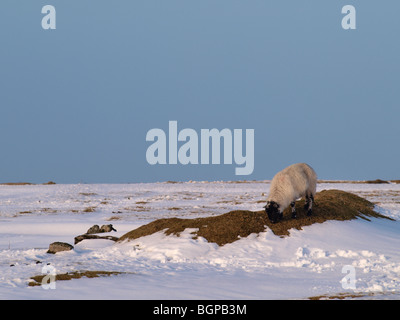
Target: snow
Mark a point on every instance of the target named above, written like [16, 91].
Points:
[307, 263]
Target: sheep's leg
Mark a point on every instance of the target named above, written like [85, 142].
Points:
[309, 203]
[293, 209]
[309, 211]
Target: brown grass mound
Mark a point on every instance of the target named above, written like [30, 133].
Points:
[229, 227]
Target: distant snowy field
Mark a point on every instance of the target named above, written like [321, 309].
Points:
[305, 264]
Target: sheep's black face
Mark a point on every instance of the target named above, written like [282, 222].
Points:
[272, 210]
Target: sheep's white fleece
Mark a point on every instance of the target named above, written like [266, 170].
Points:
[294, 182]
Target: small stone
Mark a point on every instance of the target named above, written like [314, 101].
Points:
[94, 229]
[59, 246]
[107, 228]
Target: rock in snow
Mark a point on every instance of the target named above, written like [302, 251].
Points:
[97, 229]
[94, 229]
[107, 228]
[59, 246]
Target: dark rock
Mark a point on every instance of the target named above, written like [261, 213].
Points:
[59, 246]
[107, 228]
[94, 229]
[97, 229]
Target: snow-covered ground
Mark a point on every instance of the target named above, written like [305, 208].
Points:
[307, 263]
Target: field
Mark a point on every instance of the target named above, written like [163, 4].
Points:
[305, 264]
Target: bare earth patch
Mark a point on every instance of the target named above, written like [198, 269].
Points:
[37, 280]
[349, 295]
[231, 226]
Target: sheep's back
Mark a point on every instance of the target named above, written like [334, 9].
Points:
[292, 183]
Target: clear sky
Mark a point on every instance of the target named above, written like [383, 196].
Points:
[76, 102]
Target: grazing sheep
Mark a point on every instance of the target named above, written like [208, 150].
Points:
[294, 182]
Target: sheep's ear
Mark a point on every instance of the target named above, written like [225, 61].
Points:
[267, 205]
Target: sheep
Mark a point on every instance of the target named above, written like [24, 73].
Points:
[294, 182]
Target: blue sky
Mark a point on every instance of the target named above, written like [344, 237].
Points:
[76, 102]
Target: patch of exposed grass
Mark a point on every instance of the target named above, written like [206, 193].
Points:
[231, 226]
[351, 295]
[25, 183]
[88, 193]
[113, 218]
[25, 212]
[220, 229]
[134, 209]
[48, 210]
[49, 183]
[37, 280]
[17, 184]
